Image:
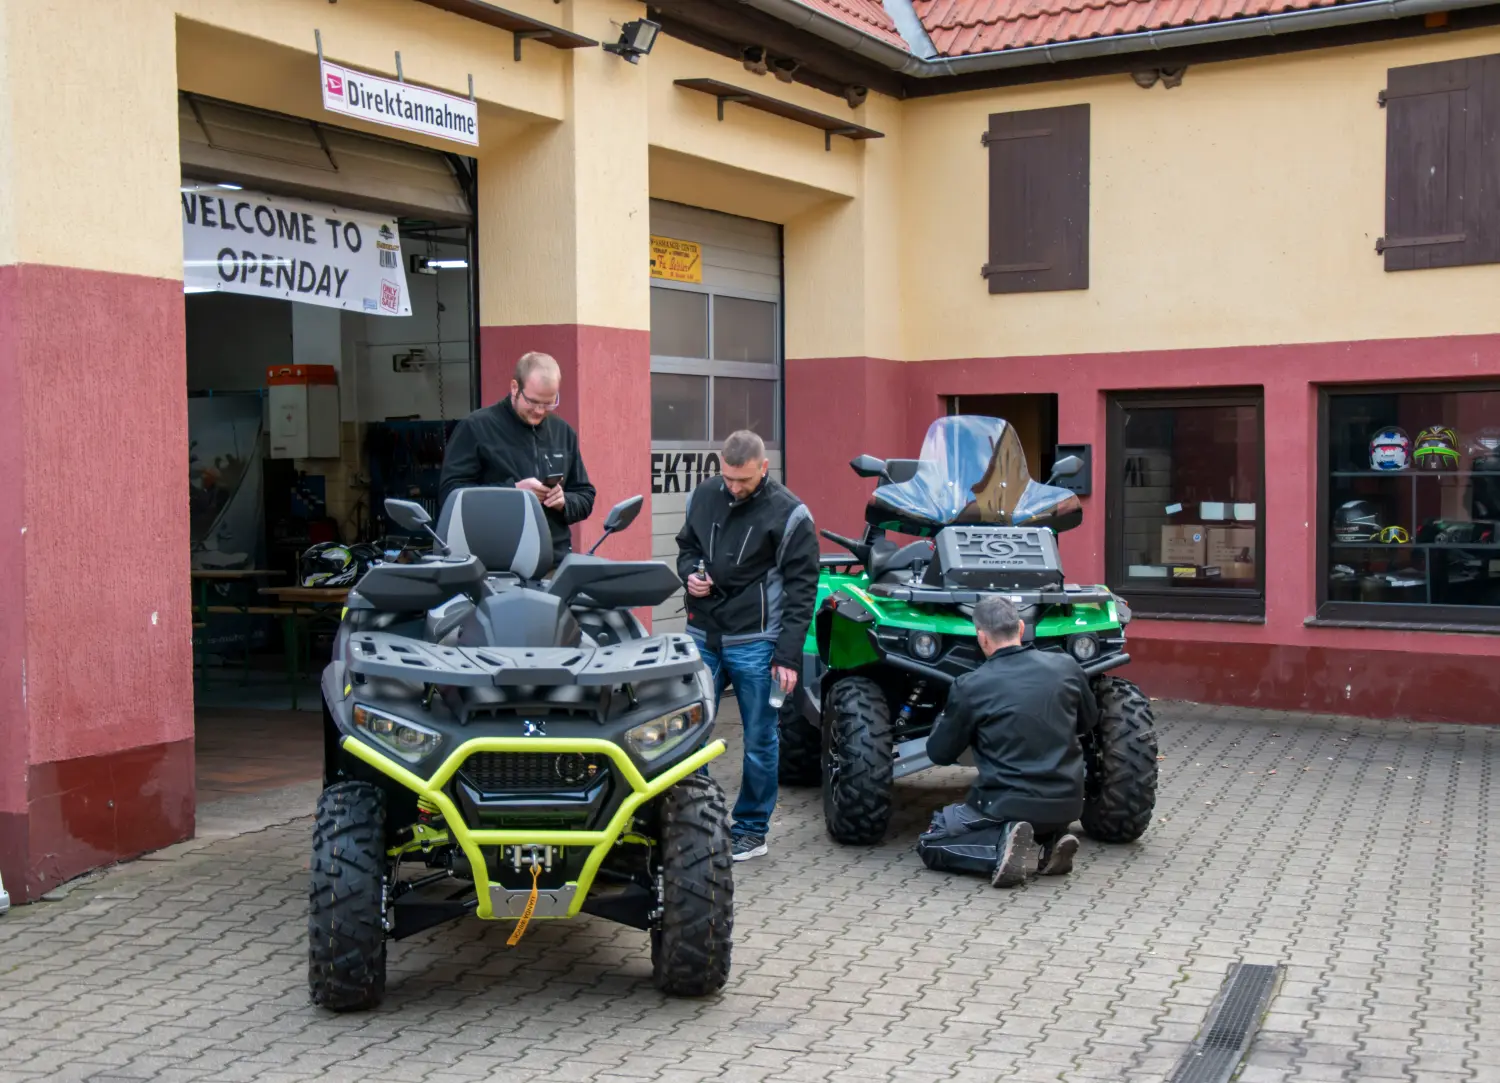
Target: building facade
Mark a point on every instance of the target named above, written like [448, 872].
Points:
[1224, 259]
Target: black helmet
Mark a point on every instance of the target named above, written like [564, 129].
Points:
[1356, 521]
[329, 564]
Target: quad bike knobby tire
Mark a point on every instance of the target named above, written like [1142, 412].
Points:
[857, 751]
[1120, 791]
[691, 940]
[801, 747]
[345, 921]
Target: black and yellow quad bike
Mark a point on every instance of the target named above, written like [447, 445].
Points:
[513, 748]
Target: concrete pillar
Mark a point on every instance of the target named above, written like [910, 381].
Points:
[96, 711]
[565, 267]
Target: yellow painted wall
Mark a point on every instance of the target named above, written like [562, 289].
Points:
[1240, 208]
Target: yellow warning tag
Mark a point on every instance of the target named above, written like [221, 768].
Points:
[515, 937]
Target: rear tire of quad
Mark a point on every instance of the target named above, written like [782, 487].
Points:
[345, 923]
[801, 748]
[1120, 792]
[691, 941]
[856, 762]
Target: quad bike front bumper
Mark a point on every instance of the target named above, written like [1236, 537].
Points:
[495, 901]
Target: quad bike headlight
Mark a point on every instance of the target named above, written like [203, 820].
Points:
[1083, 648]
[411, 742]
[924, 645]
[654, 739]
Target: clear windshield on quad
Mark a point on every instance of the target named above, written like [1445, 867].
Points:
[973, 470]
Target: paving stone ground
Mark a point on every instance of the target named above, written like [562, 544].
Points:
[1355, 853]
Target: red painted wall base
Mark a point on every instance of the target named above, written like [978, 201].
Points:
[96, 810]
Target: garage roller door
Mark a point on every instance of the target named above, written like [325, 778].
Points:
[291, 156]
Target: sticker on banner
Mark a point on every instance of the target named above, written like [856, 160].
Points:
[239, 241]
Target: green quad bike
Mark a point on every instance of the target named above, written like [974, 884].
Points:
[508, 747]
[893, 629]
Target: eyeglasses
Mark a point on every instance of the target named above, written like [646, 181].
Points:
[553, 405]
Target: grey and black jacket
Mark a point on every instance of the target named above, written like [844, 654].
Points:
[762, 555]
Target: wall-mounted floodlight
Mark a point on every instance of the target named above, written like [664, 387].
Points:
[636, 39]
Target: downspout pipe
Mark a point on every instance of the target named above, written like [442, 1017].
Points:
[798, 14]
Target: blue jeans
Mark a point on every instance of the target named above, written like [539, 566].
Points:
[749, 666]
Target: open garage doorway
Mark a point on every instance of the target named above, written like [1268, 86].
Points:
[1034, 418]
[331, 349]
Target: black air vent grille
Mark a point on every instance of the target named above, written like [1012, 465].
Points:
[507, 772]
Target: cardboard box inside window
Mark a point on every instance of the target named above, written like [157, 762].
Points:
[1184, 544]
[1233, 550]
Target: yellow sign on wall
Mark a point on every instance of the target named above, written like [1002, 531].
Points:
[678, 261]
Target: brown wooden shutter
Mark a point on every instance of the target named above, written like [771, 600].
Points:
[1442, 172]
[1039, 200]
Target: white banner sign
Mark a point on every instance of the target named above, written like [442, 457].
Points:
[399, 105]
[270, 246]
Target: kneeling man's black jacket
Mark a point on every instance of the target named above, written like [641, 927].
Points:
[1022, 711]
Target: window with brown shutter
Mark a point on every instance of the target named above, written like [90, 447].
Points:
[1442, 165]
[1039, 200]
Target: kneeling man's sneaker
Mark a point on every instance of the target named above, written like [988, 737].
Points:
[1019, 857]
[1058, 861]
[748, 846]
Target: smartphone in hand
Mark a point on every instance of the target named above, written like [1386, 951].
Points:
[553, 480]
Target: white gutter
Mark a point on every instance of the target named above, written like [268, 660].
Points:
[799, 15]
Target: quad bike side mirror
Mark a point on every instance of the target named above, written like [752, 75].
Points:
[868, 466]
[1066, 467]
[407, 513]
[620, 516]
[902, 470]
[410, 515]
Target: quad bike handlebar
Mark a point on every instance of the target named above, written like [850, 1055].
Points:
[859, 549]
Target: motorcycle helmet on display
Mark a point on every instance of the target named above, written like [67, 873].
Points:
[1356, 521]
[329, 564]
[1390, 449]
[1437, 449]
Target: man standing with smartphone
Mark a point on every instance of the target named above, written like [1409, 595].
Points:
[749, 556]
[520, 442]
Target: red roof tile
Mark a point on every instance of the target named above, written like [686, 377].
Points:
[959, 27]
[866, 15]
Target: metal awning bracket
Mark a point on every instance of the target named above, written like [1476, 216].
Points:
[522, 35]
[829, 133]
[722, 98]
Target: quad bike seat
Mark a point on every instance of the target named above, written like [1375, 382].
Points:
[504, 528]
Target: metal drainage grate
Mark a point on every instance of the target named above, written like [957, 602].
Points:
[1232, 1022]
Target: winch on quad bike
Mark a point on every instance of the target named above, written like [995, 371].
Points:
[893, 629]
[511, 747]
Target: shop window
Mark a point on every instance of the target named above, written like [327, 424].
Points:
[1411, 505]
[679, 407]
[1185, 528]
[1039, 200]
[744, 330]
[679, 323]
[1442, 123]
[743, 404]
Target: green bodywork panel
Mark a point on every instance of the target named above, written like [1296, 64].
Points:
[849, 647]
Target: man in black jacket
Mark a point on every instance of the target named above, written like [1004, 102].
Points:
[1022, 712]
[749, 556]
[520, 443]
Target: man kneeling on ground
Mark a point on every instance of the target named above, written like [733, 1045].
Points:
[1022, 711]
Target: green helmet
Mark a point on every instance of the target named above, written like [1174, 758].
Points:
[1437, 449]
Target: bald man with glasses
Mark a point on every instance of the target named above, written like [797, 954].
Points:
[521, 443]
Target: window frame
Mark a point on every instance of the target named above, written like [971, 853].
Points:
[697, 366]
[1231, 604]
[1399, 615]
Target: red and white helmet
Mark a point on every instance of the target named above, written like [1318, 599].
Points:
[1390, 449]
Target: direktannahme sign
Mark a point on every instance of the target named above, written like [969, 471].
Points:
[269, 246]
[399, 105]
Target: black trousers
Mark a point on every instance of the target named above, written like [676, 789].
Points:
[963, 839]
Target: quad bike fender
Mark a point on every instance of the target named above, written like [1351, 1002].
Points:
[565, 902]
[843, 626]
